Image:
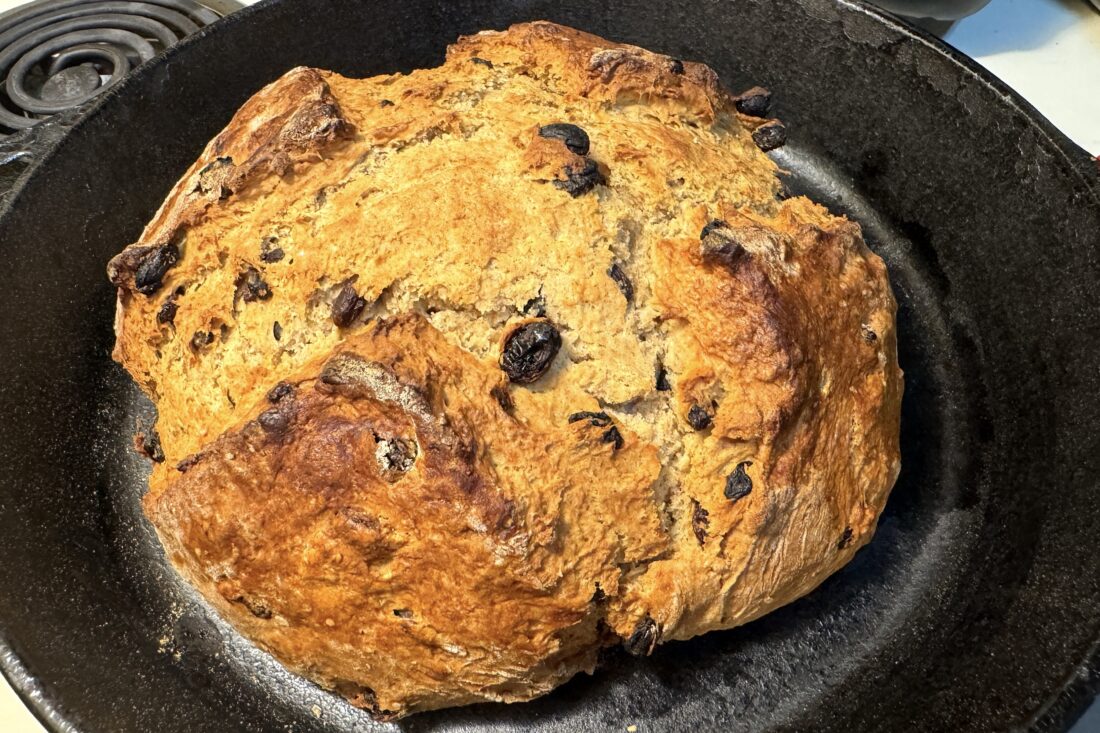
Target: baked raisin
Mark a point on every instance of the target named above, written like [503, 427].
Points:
[676, 66]
[187, 463]
[279, 391]
[661, 379]
[615, 272]
[503, 397]
[595, 419]
[700, 521]
[845, 539]
[580, 179]
[753, 103]
[148, 444]
[394, 455]
[738, 483]
[167, 313]
[769, 136]
[868, 334]
[613, 436]
[575, 138]
[270, 251]
[154, 264]
[251, 287]
[481, 62]
[347, 306]
[201, 339]
[529, 350]
[385, 103]
[644, 639]
[698, 418]
[719, 243]
[277, 330]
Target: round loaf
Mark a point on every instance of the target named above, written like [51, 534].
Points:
[464, 374]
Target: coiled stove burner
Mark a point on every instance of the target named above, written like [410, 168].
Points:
[56, 54]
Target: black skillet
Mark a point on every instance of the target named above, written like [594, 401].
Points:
[976, 607]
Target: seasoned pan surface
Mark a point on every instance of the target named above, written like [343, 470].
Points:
[975, 608]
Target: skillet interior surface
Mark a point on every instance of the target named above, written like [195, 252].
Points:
[975, 607]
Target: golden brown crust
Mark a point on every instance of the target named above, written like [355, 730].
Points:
[430, 212]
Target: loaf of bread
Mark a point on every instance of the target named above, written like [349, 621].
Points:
[466, 373]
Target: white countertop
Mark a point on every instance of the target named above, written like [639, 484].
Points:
[1048, 50]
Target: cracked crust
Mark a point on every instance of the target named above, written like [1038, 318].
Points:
[406, 527]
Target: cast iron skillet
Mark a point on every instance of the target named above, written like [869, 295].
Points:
[975, 608]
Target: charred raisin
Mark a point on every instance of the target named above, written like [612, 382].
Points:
[613, 436]
[347, 306]
[277, 330]
[615, 272]
[738, 483]
[148, 444]
[676, 66]
[845, 539]
[753, 103]
[580, 179]
[698, 418]
[251, 287]
[644, 638]
[154, 265]
[529, 350]
[274, 420]
[769, 136]
[575, 138]
[279, 391]
[700, 521]
[189, 462]
[595, 419]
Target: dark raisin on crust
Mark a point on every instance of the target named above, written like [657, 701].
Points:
[845, 539]
[719, 243]
[154, 265]
[700, 521]
[482, 62]
[277, 330]
[279, 391]
[698, 418]
[347, 306]
[503, 397]
[868, 334]
[201, 339]
[738, 483]
[615, 272]
[581, 179]
[395, 455]
[598, 596]
[186, 464]
[250, 286]
[661, 379]
[676, 66]
[769, 136]
[754, 102]
[147, 443]
[644, 639]
[274, 420]
[574, 138]
[529, 350]
[613, 436]
[595, 419]
[270, 251]
[385, 103]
